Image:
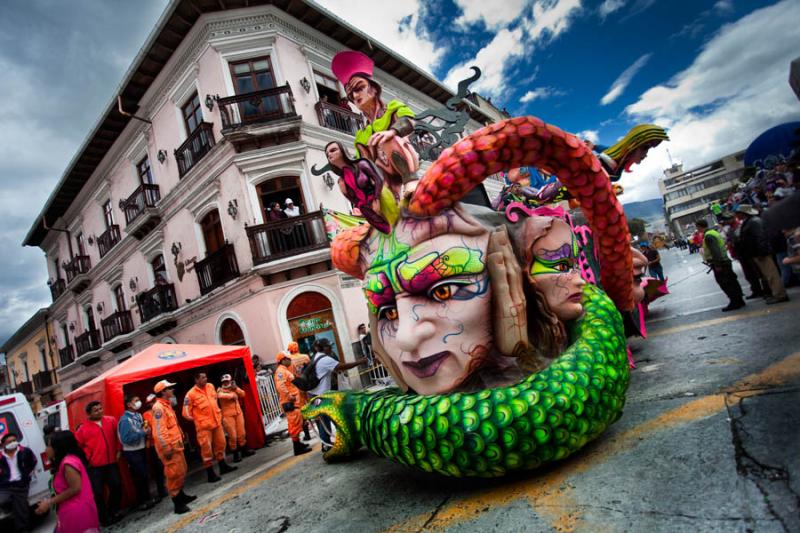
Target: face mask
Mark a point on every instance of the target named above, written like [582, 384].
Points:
[137, 405]
[11, 446]
[173, 401]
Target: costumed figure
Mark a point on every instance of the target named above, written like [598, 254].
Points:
[383, 140]
[468, 408]
[631, 149]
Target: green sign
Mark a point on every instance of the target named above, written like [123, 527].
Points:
[311, 325]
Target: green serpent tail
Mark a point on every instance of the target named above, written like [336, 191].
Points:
[545, 417]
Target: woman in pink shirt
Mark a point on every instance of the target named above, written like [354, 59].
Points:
[74, 499]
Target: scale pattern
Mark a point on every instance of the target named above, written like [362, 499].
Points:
[545, 417]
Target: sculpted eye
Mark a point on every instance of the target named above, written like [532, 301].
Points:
[562, 267]
[445, 291]
[387, 313]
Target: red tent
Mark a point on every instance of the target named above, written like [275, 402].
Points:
[178, 363]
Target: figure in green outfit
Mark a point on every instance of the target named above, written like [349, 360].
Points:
[384, 138]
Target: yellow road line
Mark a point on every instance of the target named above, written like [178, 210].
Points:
[722, 320]
[548, 493]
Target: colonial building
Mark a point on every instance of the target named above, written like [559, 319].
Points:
[160, 229]
[688, 193]
[32, 361]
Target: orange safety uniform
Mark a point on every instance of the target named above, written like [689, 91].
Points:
[148, 417]
[201, 407]
[168, 439]
[288, 392]
[232, 416]
[299, 361]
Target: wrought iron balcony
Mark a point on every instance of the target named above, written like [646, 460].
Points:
[145, 196]
[258, 107]
[338, 118]
[57, 288]
[80, 264]
[26, 388]
[157, 301]
[193, 149]
[43, 380]
[117, 324]
[87, 342]
[287, 237]
[66, 354]
[217, 269]
[108, 239]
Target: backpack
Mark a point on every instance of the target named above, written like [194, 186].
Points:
[308, 379]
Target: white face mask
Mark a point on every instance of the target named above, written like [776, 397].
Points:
[173, 401]
[137, 405]
[11, 446]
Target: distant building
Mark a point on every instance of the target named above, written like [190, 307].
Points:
[688, 193]
[32, 361]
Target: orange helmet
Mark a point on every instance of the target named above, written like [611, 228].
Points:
[293, 347]
[281, 356]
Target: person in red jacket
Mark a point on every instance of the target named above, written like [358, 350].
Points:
[98, 439]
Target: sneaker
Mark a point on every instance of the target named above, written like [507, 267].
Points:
[733, 306]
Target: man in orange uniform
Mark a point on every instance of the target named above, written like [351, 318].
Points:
[200, 406]
[289, 396]
[299, 362]
[168, 440]
[154, 463]
[229, 395]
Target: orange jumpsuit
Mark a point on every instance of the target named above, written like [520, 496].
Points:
[287, 392]
[299, 361]
[232, 416]
[201, 407]
[168, 439]
[148, 417]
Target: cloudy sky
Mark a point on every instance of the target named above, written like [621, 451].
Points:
[713, 71]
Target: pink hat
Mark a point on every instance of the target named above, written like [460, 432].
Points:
[347, 64]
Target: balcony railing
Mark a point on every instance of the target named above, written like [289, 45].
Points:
[338, 118]
[257, 107]
[66, 354]
[117, 324]
[193, 149]
[157, 301]
[26, 388]
[108, 239]
[217, 269]
[146, 195]
[45, 379]
[87, 342]
[80, 264]
[57, 288]
[287, 237]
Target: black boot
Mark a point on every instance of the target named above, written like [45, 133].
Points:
[237, 456]
[180, 506]
[247, 452]
[212, 476]
[224, 467]
[300, 448]
[185, 498]
[306, 434]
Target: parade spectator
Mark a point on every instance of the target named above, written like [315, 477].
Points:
[132, 433]
[299, 362]
[365, 341]
[326, 366]
[733, 228]
[275, 212]
[74, 498]
[716, 256]
[201, 407]
[290, 399]
[168, 439]
[653, 261]
[755, 245]
[98, 438]
[290, 209]
[229, 395]
[154, 463]
[16, 466]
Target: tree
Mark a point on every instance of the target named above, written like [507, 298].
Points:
[637, 227]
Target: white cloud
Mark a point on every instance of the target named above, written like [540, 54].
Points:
[723, 7]
[547, 20]
[494, 15]
[621, 83]
[540, 93]
[589, 135]
[393, 23]
[736, 88]
[608, 7]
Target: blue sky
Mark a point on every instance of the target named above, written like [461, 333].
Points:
[714, 72]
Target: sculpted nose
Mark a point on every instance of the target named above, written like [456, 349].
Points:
[414, 325]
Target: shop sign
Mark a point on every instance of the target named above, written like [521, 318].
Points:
[314, 324]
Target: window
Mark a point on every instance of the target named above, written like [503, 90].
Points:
[90, 325]
[144, 172]
[230, 333]
[57, 269]
[80, 241]
[212, 232]
[25, 368]
[279, 190]
[159, 270]
[65, 335]
[43, 357]
[119, 298]
[192, 114]
[328, 88]
[108, 214]
[252, 75]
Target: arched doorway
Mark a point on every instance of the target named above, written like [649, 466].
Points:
[310, 317]
[230, 333]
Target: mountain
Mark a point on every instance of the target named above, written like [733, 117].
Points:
[646, 210]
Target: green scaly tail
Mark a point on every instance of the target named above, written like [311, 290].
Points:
[545, 417]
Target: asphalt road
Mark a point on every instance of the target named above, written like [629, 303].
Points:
[708, 442]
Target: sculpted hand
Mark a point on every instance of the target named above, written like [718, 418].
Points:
[381, 137]
[509, 308]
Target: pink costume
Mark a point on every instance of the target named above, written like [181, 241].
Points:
[79, 513]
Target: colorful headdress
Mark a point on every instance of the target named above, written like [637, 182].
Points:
[638, 136]
[349, 63]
